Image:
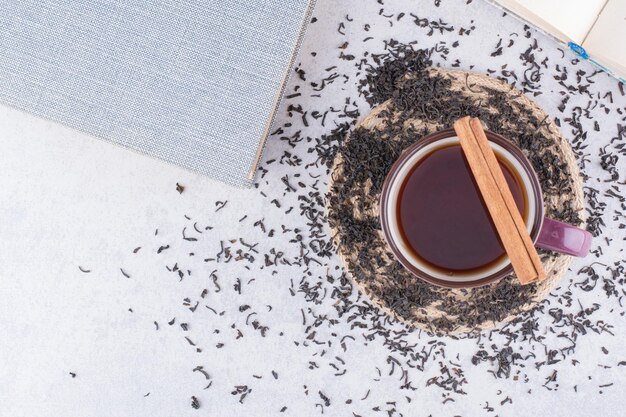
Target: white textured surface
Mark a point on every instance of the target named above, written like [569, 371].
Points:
[68, 200]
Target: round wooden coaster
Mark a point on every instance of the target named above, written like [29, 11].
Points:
[425, 103]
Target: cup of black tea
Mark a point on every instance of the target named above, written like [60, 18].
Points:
[438, 226]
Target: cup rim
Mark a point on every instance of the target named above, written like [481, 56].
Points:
[406, 156]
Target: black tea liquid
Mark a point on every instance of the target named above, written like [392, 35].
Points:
[442, 217]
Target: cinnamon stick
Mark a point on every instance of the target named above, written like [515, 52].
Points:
[499, 201]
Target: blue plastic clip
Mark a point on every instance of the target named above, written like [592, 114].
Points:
[579, 50]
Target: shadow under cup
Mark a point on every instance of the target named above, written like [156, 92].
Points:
[533, 213]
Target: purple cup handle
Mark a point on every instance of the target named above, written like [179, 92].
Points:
[564, 238]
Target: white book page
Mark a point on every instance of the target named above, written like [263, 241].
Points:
[569, 20]
[572, 17]
[605, 41]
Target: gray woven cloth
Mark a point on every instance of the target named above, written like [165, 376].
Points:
[195, 83]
